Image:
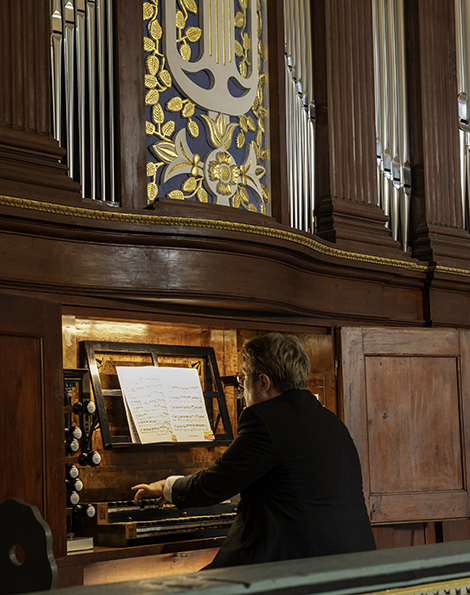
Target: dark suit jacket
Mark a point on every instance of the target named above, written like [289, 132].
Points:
[298, 473]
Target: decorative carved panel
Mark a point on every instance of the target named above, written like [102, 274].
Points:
[207, 102]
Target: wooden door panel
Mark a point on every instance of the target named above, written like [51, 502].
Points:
[413, 403]
[31, 409]
[406, 403]
[425, 506]
[22, 407]
[410, 341]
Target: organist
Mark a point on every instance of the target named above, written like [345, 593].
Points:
[293, 463]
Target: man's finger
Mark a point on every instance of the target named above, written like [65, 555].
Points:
[138, 496]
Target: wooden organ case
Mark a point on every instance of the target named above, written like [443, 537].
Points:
[64, 253]
[117, 522]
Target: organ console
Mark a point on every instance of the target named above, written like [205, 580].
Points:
[116, 522]
[122, 523]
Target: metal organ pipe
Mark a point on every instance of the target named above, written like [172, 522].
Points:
[394, 173]
[83, 92]
[111, 116]
[403, 129]
[310, 116]
[91, 30]
[56, 66]
[462, 21]
[392, 138]
[289, 104]
[69, 79]
[300, 117]
[298, 69]
[81, 88]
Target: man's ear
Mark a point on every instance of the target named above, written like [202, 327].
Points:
[266, 383]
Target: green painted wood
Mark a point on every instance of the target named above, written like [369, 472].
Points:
[345, 574]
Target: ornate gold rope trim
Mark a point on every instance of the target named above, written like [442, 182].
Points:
[289, 236]
[423, 587]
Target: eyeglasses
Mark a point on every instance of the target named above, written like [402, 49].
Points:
[241, 377]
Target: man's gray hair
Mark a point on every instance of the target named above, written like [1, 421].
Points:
[282, 358]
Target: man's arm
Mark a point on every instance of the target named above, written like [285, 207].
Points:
[250, 456]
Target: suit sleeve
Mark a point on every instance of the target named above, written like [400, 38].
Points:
[249, 457]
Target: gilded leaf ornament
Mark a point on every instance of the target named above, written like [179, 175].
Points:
[205, 100]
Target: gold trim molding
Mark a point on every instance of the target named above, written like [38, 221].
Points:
[288, 236]
[424, 588]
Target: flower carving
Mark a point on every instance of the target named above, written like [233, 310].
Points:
[222, 170]
[219, 131]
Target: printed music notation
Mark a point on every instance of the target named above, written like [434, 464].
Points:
[164, 404]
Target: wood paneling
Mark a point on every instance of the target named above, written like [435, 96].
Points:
[22, 420]
[115, 571]
[456, 530]
[130, 103]
[404, 535]
[162, 264]
[277, 111]
[105, 564]
[413, 403]
[407, 405]
[31, 409]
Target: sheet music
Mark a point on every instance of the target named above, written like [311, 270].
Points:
[130, 420]
[164, 404]
[186, 404]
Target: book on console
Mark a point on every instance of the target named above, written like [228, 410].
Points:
[164, 404]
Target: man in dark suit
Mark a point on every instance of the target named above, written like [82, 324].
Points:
[293, 463]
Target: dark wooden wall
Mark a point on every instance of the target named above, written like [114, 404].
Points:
[204, 266]
[31, 408]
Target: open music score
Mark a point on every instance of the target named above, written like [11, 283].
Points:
[164, 404]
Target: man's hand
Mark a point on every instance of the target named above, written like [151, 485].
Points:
[152, 490]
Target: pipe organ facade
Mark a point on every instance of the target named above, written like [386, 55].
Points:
[191, 173]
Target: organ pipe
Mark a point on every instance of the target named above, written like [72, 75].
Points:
[83, 93]
[392, 137]
[300, 117]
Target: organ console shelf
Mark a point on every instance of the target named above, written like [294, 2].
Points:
[106, 355]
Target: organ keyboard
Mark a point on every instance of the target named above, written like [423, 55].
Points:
[120, 524]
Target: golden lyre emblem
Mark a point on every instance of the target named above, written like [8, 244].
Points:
[231, 89]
